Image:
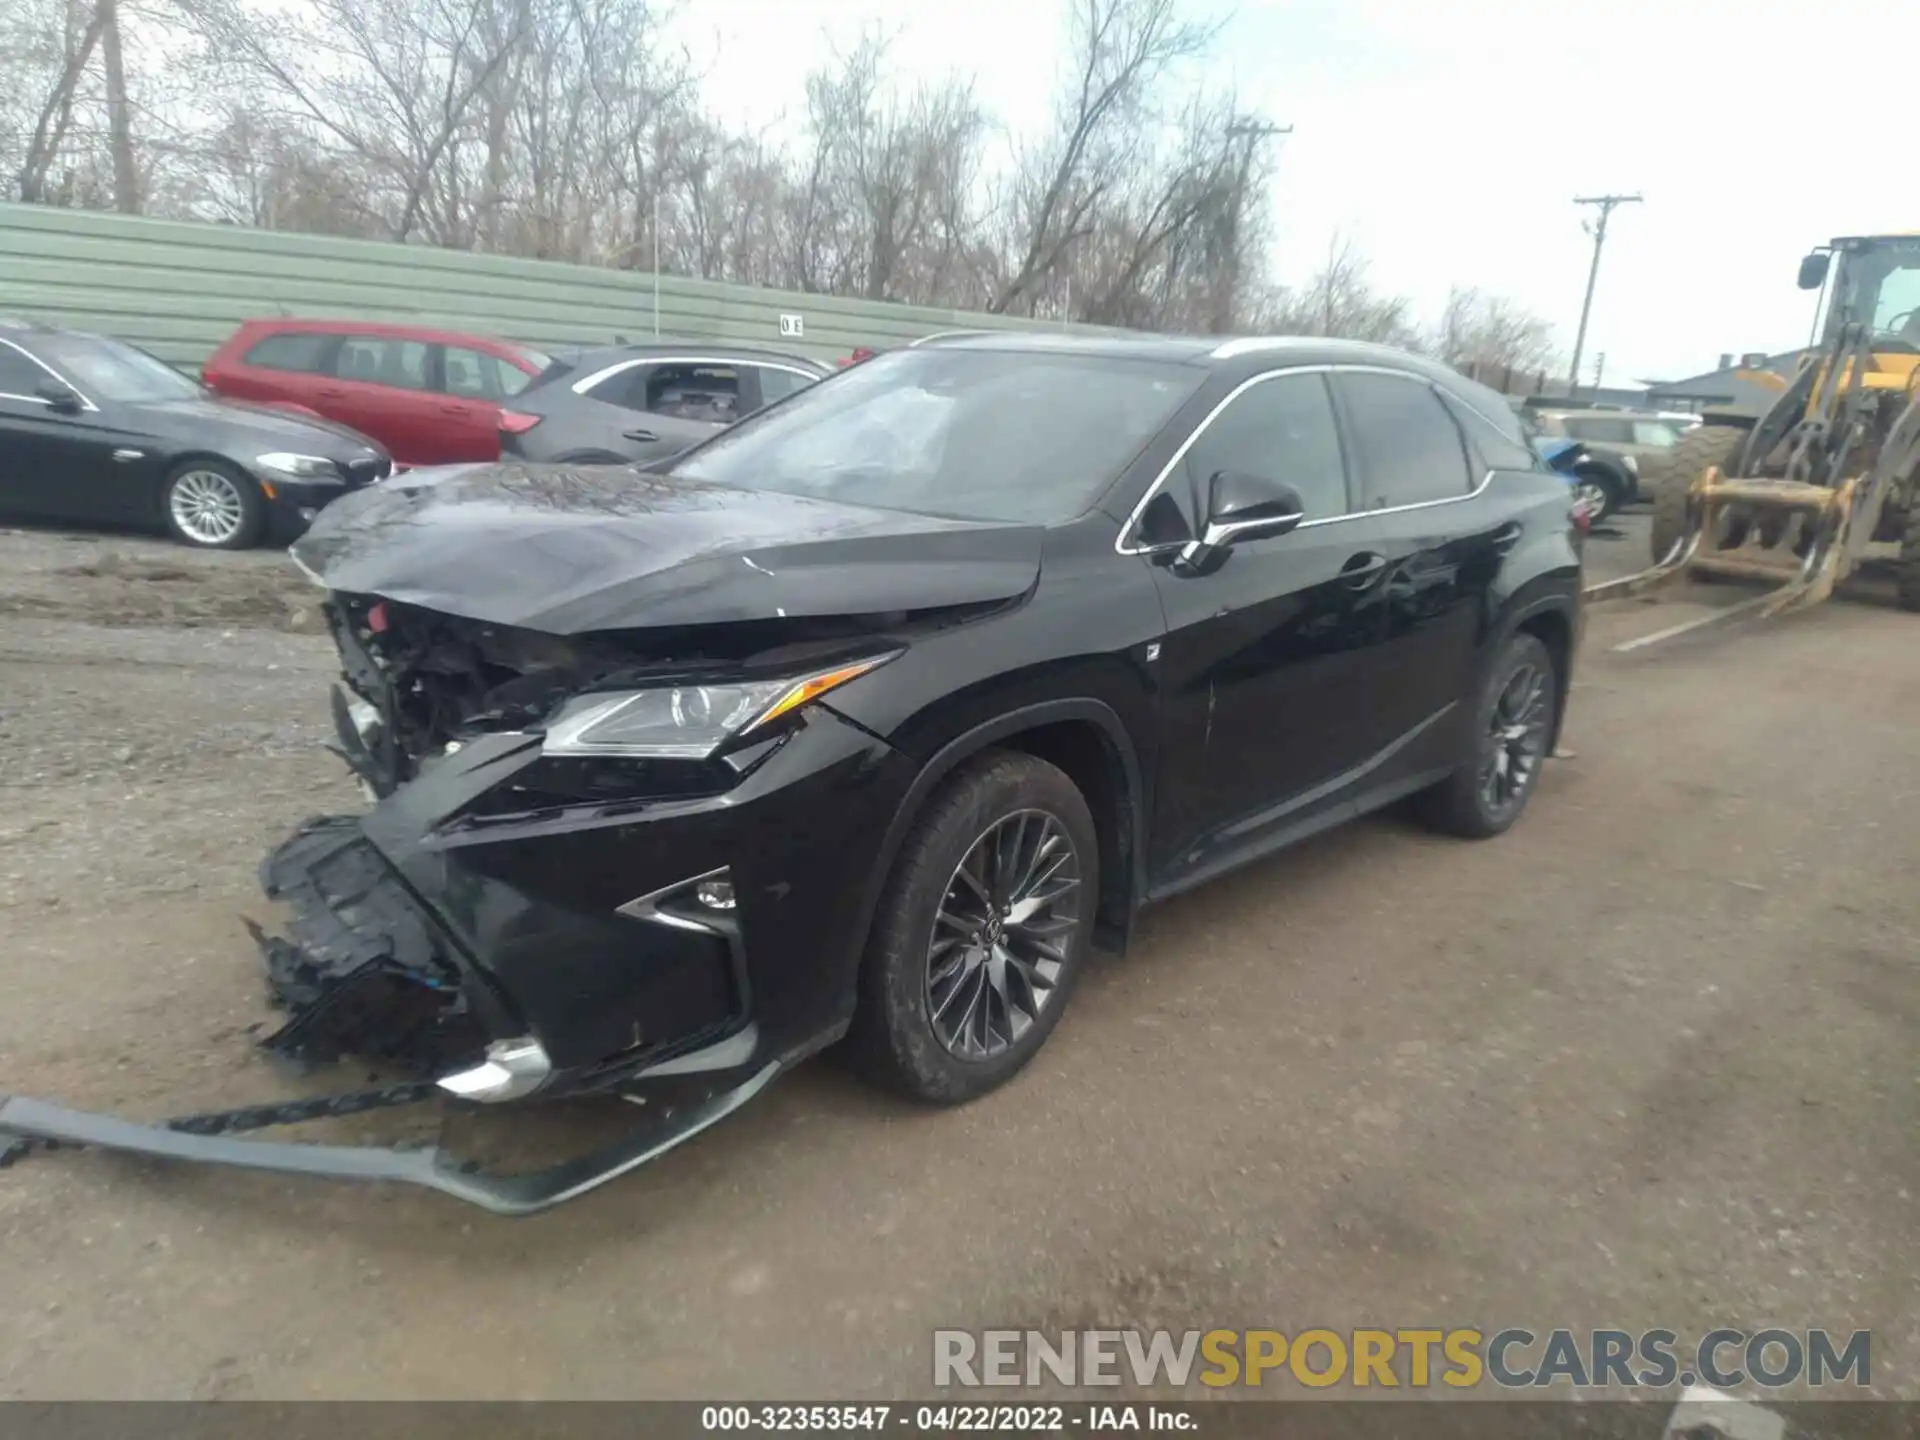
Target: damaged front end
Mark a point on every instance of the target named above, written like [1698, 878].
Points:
[621, 838]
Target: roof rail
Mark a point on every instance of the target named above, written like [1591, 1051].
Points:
[947, 335]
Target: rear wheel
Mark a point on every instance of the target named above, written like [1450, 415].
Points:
[1699, 448]
[1513, 728]
[981, 933]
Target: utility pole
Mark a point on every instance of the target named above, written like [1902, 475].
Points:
[1225, 298]
[1597, 229]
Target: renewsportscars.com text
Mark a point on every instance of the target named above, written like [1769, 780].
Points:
[1512, 1358]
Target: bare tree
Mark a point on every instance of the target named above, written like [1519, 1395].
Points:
[44, 54]
[1340, 300]
[1121, 50]
[1478, 329]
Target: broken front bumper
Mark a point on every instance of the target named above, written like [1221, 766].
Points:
[432, 1168]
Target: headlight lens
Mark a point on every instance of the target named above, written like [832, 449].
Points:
[307, 467]
[686, 722]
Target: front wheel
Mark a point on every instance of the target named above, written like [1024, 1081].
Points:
[1514, 715]
[981, 932]
[212, 506]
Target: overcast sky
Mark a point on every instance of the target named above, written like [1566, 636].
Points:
[1448, 140]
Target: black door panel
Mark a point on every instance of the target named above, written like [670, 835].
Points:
[1264, 644]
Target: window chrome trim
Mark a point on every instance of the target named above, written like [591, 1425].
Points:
[620, 367]
[1120, 545]
[85, 403]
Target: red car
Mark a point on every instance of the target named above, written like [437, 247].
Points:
[431, 397]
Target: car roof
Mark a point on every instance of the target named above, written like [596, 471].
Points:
[690, 350]
[1207, 350]
[311, 324]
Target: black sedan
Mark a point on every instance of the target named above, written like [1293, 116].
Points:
[870, 717]
[95, 430]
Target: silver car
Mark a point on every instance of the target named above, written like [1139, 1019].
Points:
[632, 404]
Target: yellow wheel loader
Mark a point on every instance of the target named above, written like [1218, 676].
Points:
[1795, 495]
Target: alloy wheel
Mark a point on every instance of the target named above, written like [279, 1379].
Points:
[1593, 495]
[1000, 936]
[1516, 738]
[207, 507]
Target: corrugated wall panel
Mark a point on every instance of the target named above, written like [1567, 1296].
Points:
[179, 290]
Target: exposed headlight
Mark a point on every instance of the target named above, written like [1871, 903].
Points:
[685, 722]
[307, 467]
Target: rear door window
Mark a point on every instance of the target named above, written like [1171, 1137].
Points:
[20, 376]
[300, 352]
[1411, 450]
[383, 360]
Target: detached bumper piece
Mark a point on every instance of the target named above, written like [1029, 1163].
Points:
[362, 971]
[27, 1121]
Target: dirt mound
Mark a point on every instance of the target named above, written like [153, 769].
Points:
[191, 590]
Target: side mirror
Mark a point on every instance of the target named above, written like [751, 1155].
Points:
[1813, 269]
[1244, 506]
[59, 399]
[1240, 506]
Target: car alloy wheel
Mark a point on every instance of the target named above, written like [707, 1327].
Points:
[1516, 739]
[1593, 497]
[999, 937]
[207, 507]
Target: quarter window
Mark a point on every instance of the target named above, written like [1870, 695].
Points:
[1282, 429]
[778, 384]
[476, 375]
[1410, 448]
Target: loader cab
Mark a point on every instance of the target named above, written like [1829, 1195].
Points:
[1876, 283]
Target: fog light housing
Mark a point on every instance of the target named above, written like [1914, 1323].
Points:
[715, 894]
[513, 1068]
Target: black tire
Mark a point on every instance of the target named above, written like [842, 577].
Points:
[894, 1040]
[240, 528]
[1907, 584]
[1610, 486]
[1700, 447]
[1461, 804]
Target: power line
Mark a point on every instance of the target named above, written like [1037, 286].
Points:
[1598, 229]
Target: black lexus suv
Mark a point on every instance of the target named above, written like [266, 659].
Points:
[869, 717]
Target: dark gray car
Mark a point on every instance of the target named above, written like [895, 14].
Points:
[630, 404]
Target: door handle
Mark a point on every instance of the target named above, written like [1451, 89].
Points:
[1507, 536]
[455, 410]
[644, 437]
[1362, 570]
[330, 394]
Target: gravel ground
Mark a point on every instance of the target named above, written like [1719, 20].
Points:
[1649, 1061]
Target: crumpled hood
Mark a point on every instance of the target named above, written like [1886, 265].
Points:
[570, 550]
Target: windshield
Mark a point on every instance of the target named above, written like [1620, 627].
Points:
[111, 370]
[977, 434]
[1882, 287]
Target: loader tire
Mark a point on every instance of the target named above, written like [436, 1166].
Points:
[1704, 445]
[1908, 581]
